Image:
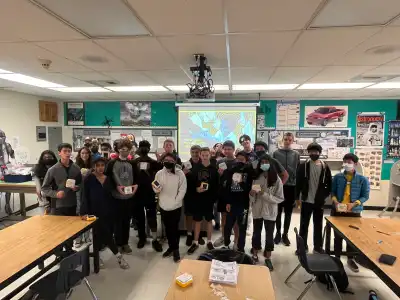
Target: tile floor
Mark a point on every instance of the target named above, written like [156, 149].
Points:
[150, 275]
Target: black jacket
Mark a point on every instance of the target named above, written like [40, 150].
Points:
[97, 199]
[238, 193]
[302, 183]
[200, 174]
[146, 176]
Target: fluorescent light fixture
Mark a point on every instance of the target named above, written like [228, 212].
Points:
[4, 71]
[184, 88]
[30, 80]
[385, 85]
[263, 87]
[334, 86]
[145, 88]
[82, 89]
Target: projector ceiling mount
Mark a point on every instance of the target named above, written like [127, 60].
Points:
[202, 86]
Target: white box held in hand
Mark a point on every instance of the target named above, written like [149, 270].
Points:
[128, 190]
[256, 188]
[187, 165]
[70, 183]
[222, 166]
[341, 207]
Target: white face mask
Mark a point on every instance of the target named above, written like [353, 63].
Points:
[348, 167]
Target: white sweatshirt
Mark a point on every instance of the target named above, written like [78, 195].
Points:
[265, 205]
[173, 188]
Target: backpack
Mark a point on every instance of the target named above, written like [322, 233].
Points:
[341, 279]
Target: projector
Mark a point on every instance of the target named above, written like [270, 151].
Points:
[202, 89]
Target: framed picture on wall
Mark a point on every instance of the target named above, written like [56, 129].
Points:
[135, 113]
[370, 130]
[326, 116]
[76, 113]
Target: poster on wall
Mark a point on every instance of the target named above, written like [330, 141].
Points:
[135, 113]
[260, 122]
[288, 115]
[370, 130]
[326, 116]
[371, 159]
[393, 144]
[76, 114]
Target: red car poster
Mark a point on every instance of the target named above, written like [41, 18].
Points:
[326, 116]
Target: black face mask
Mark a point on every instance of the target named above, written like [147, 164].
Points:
[88, 145]
[169, 165]
[144, 150]
[240, 164]
[314, 157]
[260, 153]
[49, 162]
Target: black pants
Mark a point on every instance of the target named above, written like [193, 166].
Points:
[122, 221]
[171, 219]
[240, 216]
[103, 235]
[287, 206]
[338, 242]
[308, 209]
[143, 208]
[269, 234]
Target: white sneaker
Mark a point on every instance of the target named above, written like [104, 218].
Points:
[219, 241]
[122, 263]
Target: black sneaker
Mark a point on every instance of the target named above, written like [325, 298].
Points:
[141, 243]
[254, 255]
[193, 248]
[352, 265]
[285, 240]
[268, 263]
[156, 246]
[177, 257]
[167, 253]
[201, 241]
[278, 238]
[189, 240]
[210, 246]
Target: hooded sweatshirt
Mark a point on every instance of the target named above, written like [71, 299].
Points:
[173, 188]
[290, 159]
[238, 191]
[265, 205]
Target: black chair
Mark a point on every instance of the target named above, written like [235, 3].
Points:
[60, 283]
[314, 264]
[227, 255]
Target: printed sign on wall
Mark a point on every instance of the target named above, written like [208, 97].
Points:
[370, 130]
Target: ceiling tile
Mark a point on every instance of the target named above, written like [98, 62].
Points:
[140, 54]
[24, 20]
[260, 49]
[269, 15]
[331, 94]
[339, 74]
[383, 71]
[251, 75]
[181, 16]
[300, 93]
[183, 47]
[373, 52]
[293, 74]
[395, 62]
[130, 78]
[88, 76]
[322, 47]
[220, 76]
[22, 57]
[168, 77]
[78, 50]
[60, 79]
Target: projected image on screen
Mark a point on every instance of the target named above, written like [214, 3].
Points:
[208, 126]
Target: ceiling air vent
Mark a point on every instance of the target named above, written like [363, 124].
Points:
[372, 78]
[103, 83]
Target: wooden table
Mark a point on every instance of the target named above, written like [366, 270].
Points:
[254, 283]
[27, 244]
[21, 189]
[365, 240]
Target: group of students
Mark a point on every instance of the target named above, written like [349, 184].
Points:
[234, 188]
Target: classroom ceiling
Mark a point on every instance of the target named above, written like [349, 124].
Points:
[151, 43]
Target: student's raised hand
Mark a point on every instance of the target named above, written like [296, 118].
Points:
[120, 189]
[228, 208]
[60, 194]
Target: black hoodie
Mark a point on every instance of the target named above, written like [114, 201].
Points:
[238, 193]
[146, 170]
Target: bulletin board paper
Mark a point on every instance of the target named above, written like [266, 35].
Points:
[371, 160]
[288, 115]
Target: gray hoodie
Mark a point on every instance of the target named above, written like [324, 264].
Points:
[290, 159]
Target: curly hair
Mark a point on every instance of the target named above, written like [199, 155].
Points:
[124, 143]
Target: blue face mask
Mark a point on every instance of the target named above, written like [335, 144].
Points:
[264, 167]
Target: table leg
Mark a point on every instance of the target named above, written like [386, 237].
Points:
[22, 204]
[96, 256]
[328, 238]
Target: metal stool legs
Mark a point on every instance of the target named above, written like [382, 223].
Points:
[395, 201]
[335, 286]
[308, 287]
[291, 274]
[90, 289]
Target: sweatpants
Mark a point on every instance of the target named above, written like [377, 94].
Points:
[317, 212]
[338, 241]
[240, 216]
[269, 234]
[142, 209]
[122, 221]
[287, 207]
[171, 219]
[103, 235]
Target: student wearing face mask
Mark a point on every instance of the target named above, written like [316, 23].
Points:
[313, 182]
[239, 180]
[145, 196]
[170, 185]
[265, 195]
[123, 175]
[352, 190]
[290, 159]
[46, 160]
[260, 149]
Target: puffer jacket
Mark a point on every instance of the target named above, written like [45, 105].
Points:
[265, 205]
